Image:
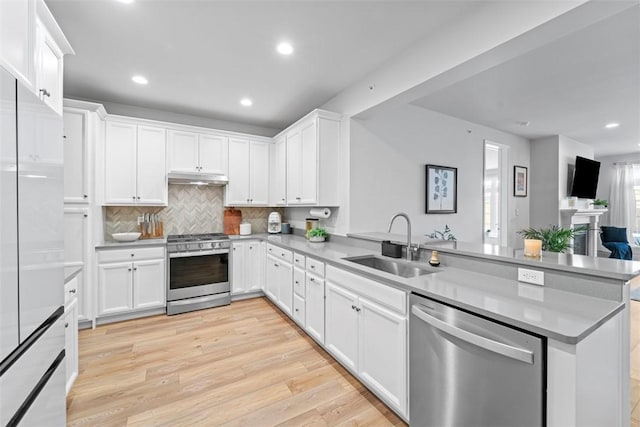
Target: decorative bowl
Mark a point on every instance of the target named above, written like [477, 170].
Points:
[125, 237]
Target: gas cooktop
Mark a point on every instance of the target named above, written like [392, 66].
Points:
[173, 238]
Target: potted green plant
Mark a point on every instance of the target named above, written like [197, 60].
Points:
[600, 204]
[554, 239]
[446, 234]
[318, 235]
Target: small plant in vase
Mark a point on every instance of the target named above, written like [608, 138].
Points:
[600, 204]
[318, 235]
[554, 239]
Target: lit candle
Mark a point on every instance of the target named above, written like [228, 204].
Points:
[532, 248]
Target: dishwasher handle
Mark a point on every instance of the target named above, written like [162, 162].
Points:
[512, 352]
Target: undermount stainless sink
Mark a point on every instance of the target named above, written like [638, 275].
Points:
[398, 268]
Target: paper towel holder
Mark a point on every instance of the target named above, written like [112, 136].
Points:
[323, 213]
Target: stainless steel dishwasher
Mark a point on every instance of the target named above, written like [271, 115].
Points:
[469, 371]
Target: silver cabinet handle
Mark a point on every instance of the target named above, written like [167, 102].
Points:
[297, 283]
[353, 307]
[358, 309]
[311, 279]
[72, 291]
[275, 265]
[66, 325]
[135, 268]
[138, 197]
[512, 352]
[129, 269]
[133, 197]
[45, 92]
[86, 215]
[85, 196]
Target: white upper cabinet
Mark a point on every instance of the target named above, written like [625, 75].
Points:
[248, 173]
[197, 153]
[312, 159]
[76, 180]
[151, 170]
[278, 173]
[17, 39]
[183, 151]
[214, 154]
[135, 162]
[32, 48]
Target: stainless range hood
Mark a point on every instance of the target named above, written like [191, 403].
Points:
[197, 178]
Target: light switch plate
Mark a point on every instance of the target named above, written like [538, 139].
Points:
[534, 277]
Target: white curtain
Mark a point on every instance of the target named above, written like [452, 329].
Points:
[622, 203]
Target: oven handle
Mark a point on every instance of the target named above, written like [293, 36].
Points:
[198, 253]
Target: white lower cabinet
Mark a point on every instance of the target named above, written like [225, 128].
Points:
[314, 313]
[366, 330]
[71, 342]
[247, 266]
[298, 309]
[279, 286]
[130, 280]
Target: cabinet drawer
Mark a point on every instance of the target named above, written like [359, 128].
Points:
[372, 290]
[315, 266]
[71, 290]
[298, 260]
[298, 282]
[132, 254]
[280, 253]
[298, 310]
[313, 280]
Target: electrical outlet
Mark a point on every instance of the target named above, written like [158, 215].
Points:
[534, 277]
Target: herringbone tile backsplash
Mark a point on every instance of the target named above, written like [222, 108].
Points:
[192, 209]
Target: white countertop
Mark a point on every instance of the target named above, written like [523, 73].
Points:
[135, 243]
[553, 313]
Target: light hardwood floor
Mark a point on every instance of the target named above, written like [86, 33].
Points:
[245, 364]
[635, 363]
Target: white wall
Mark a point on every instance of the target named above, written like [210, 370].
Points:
[550, 159]
[387, 171]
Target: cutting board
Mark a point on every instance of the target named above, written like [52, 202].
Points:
[232, 220]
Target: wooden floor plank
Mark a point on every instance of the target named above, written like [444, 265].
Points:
[244, 364]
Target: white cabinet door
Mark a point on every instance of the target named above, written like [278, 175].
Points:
[382, 355]
[120, 163]
[309, 165]
[255, 256]
[49, 70]
[115, 288]
[272, 289]
[278, 173]
[71, 343]
[17, 33]
[149, 287]
[183, 151]
[76, 244]
[239, 266]
[259, 173]
[341, 334]
[285, 279]
[75, 156]
[151, 166]
[214, 154]
[314, 295]
[238, 186]
[294, 158]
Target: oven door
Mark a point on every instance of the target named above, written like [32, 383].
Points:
[196, 274]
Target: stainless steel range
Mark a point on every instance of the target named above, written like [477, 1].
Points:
[198, 275]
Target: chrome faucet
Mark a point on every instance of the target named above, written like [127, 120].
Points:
[405, 216]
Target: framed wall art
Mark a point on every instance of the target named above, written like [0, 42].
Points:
[442, 189]
[520, 178]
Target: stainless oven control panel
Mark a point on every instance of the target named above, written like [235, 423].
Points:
[197, 246]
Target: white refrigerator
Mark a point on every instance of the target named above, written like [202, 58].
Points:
[32, 377]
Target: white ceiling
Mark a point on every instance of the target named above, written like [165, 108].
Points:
[202, 57]
[571, 87]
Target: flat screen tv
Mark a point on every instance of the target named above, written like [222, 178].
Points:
[585, 178]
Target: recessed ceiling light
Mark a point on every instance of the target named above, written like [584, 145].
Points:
[612, 125]
[126, 1]
[141, 80]
[285, 48]
[246, 102]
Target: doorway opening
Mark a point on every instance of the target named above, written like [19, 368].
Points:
[495, 191]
